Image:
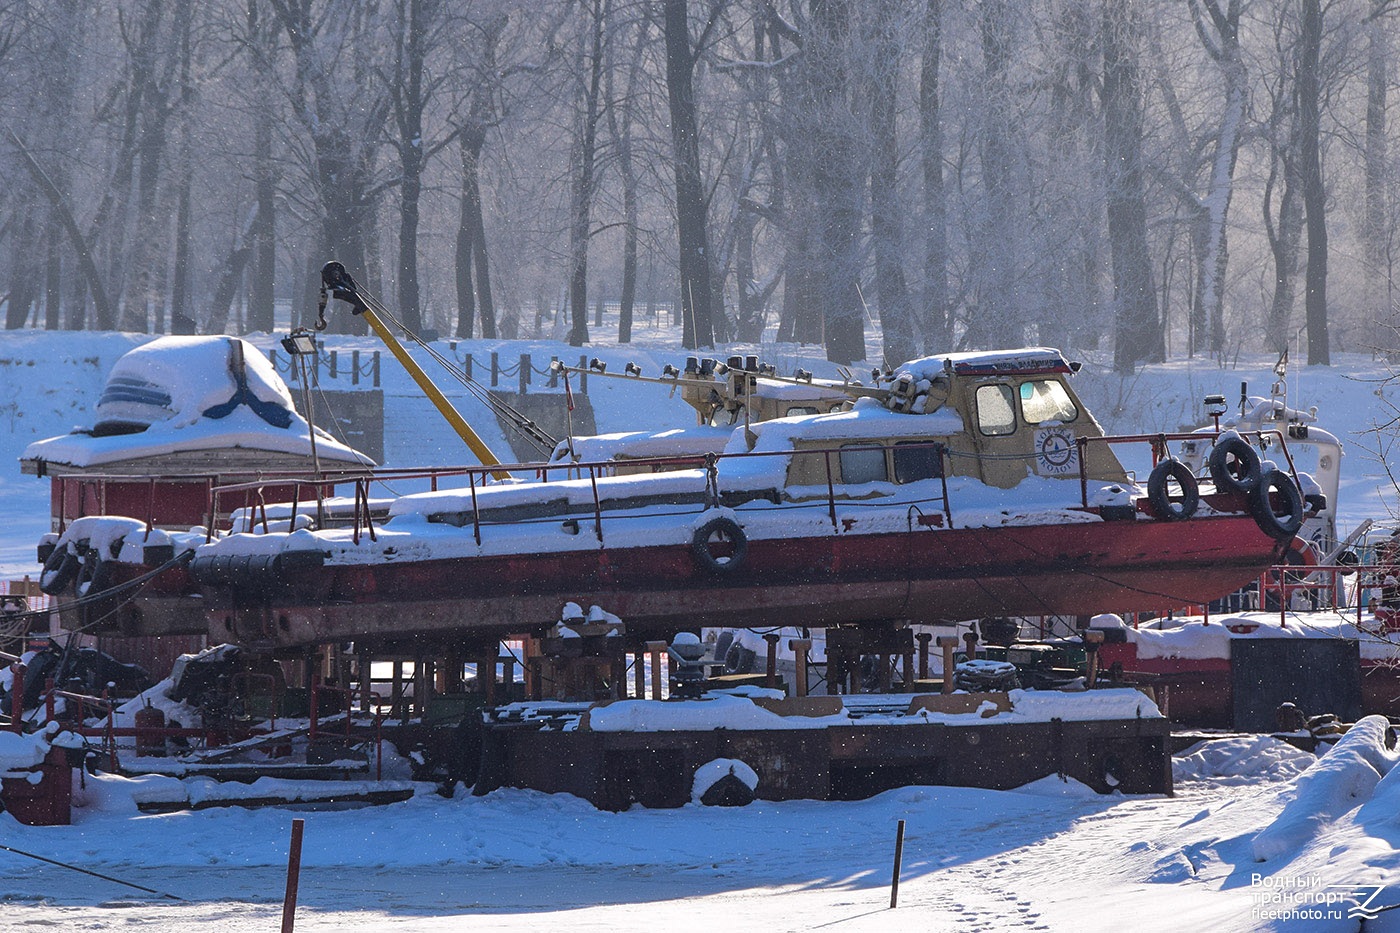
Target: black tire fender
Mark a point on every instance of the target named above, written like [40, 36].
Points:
[727, 529]
[1279, 526]
[93, 576]
[60, 570]
[1235, 466]
[739, 659]
[1159, 494]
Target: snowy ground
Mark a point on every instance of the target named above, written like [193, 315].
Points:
[1051, 856]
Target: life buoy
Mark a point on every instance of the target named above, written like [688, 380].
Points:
[60, 569]
[725, 532]
[93, 575]
[1234, 466]
[1159, 493]
[1283, 525]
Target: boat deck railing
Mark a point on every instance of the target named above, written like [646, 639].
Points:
[1162, 442]
[361, 512]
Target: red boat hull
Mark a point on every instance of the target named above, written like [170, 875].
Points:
[924, 576]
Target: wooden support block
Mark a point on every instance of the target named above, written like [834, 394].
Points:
[800, 647]
[654, 650]
[772, 639]
[949, 644]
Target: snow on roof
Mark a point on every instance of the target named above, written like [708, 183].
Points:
[677, 442]
[190, 393]
[574, 492]
[797, 391]
[868, 419]
[20, 751]
[740, 713]
[1193, 638]
[1024, 360]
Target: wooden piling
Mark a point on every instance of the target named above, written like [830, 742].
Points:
[655, 650]
[898, 856]
[289, 899]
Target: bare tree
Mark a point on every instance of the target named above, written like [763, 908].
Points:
[589, 74]
[341, 107]
[1310, 170]
[935, 277]
[1282, 209]
[696, 299]
[1380, 266]
[1138, 332]
[838, 175]
[886, 227]
[622, 114]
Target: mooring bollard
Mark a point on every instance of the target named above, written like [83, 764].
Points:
[898, 855]
[289, 901]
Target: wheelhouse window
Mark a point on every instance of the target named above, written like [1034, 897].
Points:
[725, 417]
[1046, 400]
[916, 460]
[801, 410]
[863, 464]
[996, 413]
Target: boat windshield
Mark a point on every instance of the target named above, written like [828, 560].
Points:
[1046, 400]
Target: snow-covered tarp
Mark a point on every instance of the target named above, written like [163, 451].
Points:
[190, 393]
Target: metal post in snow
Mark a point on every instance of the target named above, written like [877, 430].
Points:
[289, 900]
[898, 855]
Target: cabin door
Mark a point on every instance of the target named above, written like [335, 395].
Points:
[1002, 441]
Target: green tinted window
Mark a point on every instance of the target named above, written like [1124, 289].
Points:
[1046, 400]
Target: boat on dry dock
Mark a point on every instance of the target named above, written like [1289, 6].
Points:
[966, 485]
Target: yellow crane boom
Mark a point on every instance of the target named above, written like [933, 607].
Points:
[338, 282]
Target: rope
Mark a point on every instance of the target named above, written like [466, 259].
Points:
[134, 582]
[95, 874]
[541, 439]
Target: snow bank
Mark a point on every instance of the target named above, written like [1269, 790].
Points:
[1237, 760]
[1053, 785]
[1340, 780]
[203, 790]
